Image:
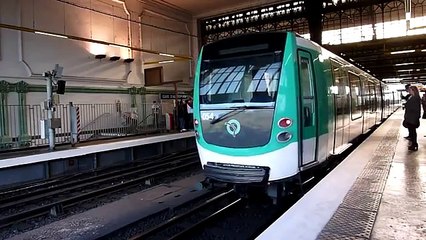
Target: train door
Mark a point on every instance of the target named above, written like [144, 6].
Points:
[365, 103]
[373, 104]
[379, 100]
[308, 111]
[341, 108]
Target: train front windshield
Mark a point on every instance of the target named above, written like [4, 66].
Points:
[238, 85]
[246, 74]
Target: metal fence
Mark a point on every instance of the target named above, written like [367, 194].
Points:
[20, 126]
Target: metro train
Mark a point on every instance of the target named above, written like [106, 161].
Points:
[270, 106]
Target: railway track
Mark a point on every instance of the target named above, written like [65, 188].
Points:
[57, 197]
[211, 206]
[180, 226]
[21, 191]
[223, 215]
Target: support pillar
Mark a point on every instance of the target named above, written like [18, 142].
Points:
[134, 113]
[133, 91]
[314, 15]
[5, 139]
[22, 89]
[50, 76]
[143, 117]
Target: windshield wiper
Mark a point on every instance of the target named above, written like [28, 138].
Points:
[235, 110]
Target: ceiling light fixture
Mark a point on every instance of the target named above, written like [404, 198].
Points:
[405, 70]
[403, 51]
[392, 79]
[404, 64]
[166, 55]
[168, 61]
[51, 34]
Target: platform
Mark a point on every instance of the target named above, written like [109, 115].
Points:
[29, 165]
[377, 192]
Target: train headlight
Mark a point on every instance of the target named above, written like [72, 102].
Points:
[197, 135]
[284, 136]
[195, 122]
[285, 122]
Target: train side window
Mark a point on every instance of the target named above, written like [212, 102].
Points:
[372, 97]
[307, 90]
[356, 97]
[364, 92]
[378, 99]
[341, 83]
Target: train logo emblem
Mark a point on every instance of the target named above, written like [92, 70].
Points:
[233, 127]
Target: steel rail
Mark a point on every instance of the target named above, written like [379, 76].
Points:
[23, 197]
[179, 218]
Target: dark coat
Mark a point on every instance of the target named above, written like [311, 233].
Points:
[182, 110]
[412, 111]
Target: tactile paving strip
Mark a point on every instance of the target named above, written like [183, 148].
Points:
[351, 222]
[354, 219]
[335, 236]
[374, 173]
[368, 201]
[374, 185]
[383, 164]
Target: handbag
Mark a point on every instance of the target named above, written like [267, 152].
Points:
[408, 125]
[405, 124]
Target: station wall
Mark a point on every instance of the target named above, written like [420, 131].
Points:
[25, 56]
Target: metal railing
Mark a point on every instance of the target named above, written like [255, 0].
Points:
[20, 126]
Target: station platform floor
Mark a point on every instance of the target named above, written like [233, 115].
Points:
[34, 155]
[59, 147]
[34, 165]
[378, 192]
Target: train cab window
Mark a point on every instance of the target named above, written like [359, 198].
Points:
[305, 78]
[240, 74]
[355, 92]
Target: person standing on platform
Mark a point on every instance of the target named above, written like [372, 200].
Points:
[407, 88]
[189, 105]
[424, 105]
[412, 116]
[182, 115]
[155, 113]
